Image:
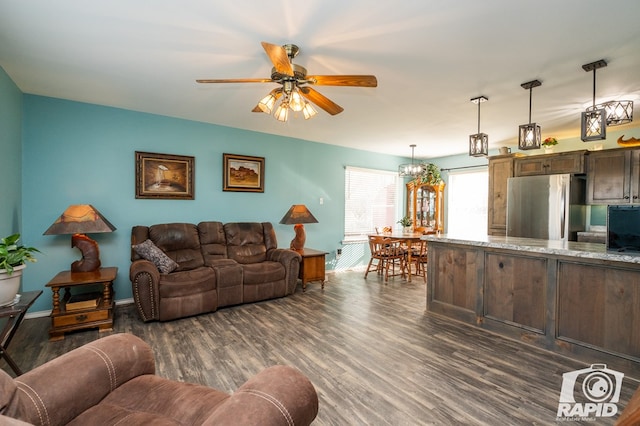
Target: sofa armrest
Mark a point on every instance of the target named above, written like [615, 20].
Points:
[278, 395]
[291, 262]
[145, 279]
[631, 414]
[59, 390]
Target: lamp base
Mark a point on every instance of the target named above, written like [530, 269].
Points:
[90, 254]
[298, 241]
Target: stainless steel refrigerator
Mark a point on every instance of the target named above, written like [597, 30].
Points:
[549, 207]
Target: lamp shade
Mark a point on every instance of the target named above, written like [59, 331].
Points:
[298, 213]
[80, 219]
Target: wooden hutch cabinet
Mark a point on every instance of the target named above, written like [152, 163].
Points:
[425, 206]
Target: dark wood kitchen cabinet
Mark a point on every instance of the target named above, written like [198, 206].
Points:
[500, 169]
[613, 176]
[551, 164]
[514, 290]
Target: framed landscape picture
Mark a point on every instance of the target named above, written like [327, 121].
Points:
[242, 173]
[164, 176]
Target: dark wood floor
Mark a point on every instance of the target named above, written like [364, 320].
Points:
[373, 354]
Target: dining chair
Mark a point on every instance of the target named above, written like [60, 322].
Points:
[419, 258]
[386, 254]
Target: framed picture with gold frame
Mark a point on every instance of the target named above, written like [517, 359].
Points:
[164, 176]
[242, 173]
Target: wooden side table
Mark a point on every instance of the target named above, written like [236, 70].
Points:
[101, 315]
[14, 315]
[312, 266]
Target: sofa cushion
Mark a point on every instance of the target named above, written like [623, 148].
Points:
[181, 242]
[245, 242]
[149, 251]
[154, 400]
[213, 242]
[184, 283]
[263, 272]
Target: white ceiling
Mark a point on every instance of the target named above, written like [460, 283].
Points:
[430, 58]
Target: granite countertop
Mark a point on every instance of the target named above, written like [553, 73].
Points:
[553, 247]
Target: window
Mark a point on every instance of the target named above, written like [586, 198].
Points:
[371, 200]
[467, 202]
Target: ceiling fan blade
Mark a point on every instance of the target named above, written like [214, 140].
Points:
[343, 80]
[278, 56]
[321, 101]
[237, 80]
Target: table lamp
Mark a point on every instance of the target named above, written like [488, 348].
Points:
[297, 215]
[77, 220]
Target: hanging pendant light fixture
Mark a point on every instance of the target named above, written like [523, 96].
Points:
[593, 122]
[618, 112]
[412, 170]
[479, 143]
[530, 134]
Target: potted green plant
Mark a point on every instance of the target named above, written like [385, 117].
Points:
[431, 174]
[13, 259]
[406, 223]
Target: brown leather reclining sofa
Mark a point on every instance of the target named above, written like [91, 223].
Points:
[194, 269]
[112, 381]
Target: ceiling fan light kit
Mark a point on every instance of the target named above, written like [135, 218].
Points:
[479, 143]
[296, 94]
[530, 134]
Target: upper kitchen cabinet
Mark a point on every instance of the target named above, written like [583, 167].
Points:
[500, 169]
[613, 176]
[551, 164]
[425, 206]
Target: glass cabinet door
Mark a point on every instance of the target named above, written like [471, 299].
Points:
[426, 207]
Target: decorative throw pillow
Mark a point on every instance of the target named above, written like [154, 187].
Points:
[149, 251]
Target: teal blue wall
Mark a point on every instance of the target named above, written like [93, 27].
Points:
[598, 215]
[10, 155]
[76, 153]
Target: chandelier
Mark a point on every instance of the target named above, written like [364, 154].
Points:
[413, 170]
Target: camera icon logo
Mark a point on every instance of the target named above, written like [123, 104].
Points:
[590, 392]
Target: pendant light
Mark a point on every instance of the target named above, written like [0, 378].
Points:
[413, 170]
[618, 112]
[479, 143]
[593, 122]
[530, 134]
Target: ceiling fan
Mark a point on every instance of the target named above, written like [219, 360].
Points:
[295, 88]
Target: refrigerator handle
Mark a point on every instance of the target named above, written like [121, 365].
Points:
[563, 210]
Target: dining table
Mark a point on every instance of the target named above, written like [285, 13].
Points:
[408, 239]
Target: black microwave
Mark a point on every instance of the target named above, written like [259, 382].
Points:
[623, 229]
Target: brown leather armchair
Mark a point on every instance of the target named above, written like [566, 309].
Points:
[215, 265]
[112, 381]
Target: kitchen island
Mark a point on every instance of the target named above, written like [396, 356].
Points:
[568, 297]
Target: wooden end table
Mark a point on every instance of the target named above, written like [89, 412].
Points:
[101, 315]
[15, 315]
[312, 266]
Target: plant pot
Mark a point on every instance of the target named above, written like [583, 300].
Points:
[548, 150]
[10, 284]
